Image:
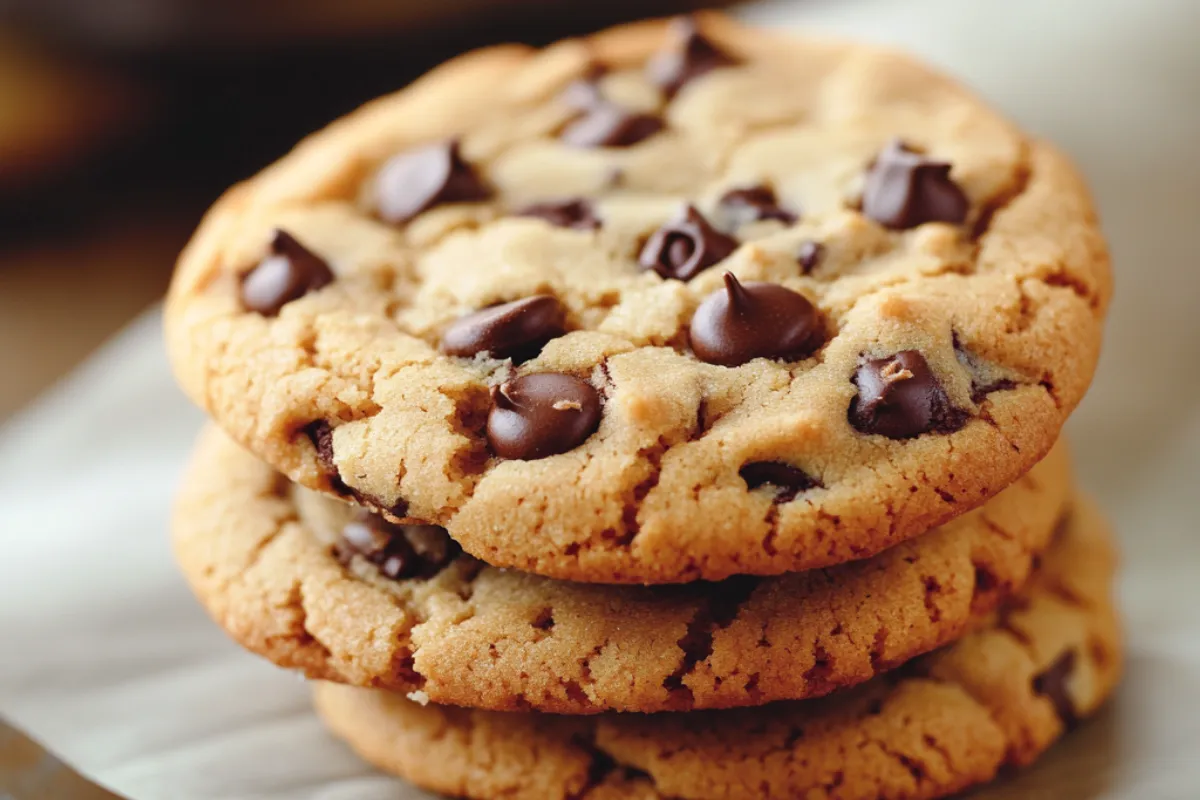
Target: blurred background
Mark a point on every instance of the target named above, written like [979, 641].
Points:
[122, 120]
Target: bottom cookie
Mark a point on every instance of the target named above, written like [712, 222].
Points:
[999, 697]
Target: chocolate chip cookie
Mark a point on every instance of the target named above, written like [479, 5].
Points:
[676, 301]
[995, 699]
[314, 585]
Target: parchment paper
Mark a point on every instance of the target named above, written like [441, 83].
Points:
[106, 660]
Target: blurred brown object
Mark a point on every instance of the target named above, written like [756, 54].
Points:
[160, 26]
[55, 113]
[60, 299]
[27, 772]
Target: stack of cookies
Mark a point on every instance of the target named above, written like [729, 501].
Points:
[666, 414]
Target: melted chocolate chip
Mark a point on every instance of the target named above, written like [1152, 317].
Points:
[400, 551]
[751, 204]
[574, 213]
[754, 320]
[788, 481]
[428, 176]
[684, 246]
[540, 415]
[690, 56]
[288, 273]
[1051, 683]
[809, 255]
[606, 124]
[905, 189]
[320, 433]
[899, 397]
[517, 330]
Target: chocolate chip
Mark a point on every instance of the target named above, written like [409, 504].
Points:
[363, 536]
[433, 546]
[320, 433]
[690, 56]
[517, 330]
[573, 213]
[428, 176]
[809, 255]
[684, 246]
[904, 189]
[754, 320]
[751, 204]
[288, 273]
[606, 124]
[399, 551]
[540, 415]
[789, 481]
[1051, 683]
[899, 397]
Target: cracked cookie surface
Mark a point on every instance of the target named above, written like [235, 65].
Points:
[997, 698]
[917, 303]
[304, 580]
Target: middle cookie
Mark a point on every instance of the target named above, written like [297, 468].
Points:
[313, 585]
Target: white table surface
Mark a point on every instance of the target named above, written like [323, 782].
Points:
[106, 659]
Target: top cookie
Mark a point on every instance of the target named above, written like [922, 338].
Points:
[675, 301]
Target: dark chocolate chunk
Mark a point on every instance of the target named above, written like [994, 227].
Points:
[689, 56]
[288, 273]
[1051, 683]
[809, 255]
[788, 481]
[683, 247]
[742, 322]
[740, 206]
[428, 176]
[573, 213]
[399, 551]
[517, 330]
[540, 415]
[606, 124]
[905, 189]
[899, 397]
[320, 433]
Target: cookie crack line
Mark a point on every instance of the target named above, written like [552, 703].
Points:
[419, 614]
[277, 490]
[915, 767]
[946, 721]
[720, 609]
[479, 186]
[1006, 198]
[604, 766]
[297, 604]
